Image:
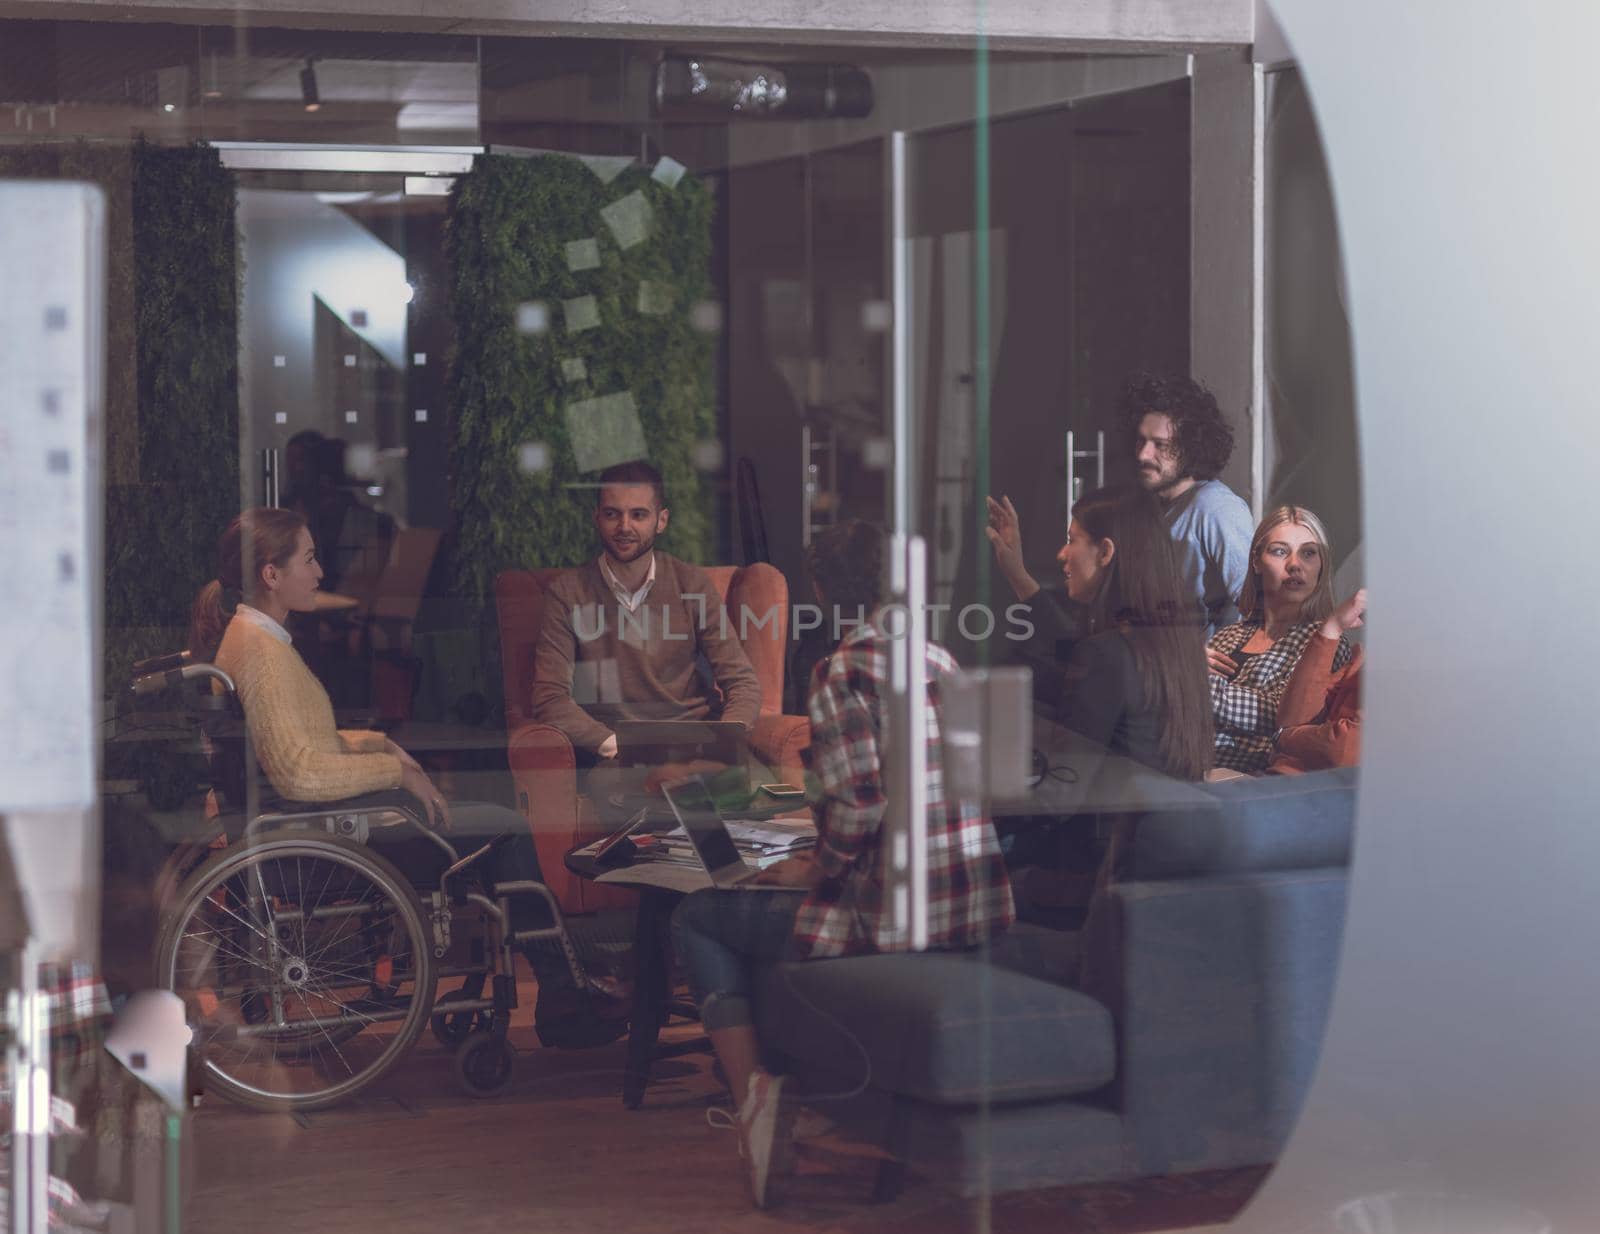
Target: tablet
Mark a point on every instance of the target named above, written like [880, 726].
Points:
[617, 847]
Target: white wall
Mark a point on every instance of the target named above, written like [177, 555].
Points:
[1461, 1052]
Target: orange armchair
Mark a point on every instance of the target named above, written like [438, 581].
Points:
[542, 759]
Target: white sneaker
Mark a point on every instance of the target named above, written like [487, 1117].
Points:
[767, 1133]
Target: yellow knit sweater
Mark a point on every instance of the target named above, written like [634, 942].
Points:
[290, 720]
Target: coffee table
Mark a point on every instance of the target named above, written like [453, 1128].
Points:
[652, 986]
[660, 885]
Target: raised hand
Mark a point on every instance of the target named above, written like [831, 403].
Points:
[1350, 615]
[1005, 534]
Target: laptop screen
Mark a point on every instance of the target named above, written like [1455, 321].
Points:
[692, 803]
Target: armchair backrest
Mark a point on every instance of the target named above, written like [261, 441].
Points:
[759, 590]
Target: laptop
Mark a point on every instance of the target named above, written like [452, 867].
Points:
[655, 743]
[708, 835]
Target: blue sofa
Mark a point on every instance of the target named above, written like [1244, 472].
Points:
[1178, 1033]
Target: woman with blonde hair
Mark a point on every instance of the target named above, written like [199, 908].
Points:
[267, 568]
[1287, 594]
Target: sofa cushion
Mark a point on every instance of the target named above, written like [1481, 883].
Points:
[946, 1028]
[1257, 824]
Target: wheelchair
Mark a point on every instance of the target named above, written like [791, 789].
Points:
[308, 963]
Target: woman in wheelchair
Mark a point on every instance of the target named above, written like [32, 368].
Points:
[266, 569]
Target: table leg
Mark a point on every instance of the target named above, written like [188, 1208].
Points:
[649, 990]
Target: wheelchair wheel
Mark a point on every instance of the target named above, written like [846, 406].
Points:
[483, 1064]
[280, 950]
[451, 1028]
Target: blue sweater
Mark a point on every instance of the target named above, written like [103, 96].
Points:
[1211, 526]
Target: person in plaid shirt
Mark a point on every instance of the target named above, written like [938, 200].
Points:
[1286, 596]
[720, 934]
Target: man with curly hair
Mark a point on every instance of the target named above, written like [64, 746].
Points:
[1180, 444]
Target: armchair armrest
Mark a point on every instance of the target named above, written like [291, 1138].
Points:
[777, 741]
[545, 768]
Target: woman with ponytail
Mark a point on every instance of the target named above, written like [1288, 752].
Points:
[267, 568]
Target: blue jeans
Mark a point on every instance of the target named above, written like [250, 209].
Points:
[719, 935]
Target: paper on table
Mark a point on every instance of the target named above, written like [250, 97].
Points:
[769, 833]
[774, 833]
[670, 875]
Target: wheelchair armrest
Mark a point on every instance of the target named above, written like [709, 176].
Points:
[351, 820]
[545, 768]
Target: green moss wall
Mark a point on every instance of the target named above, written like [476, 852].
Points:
[511, 222]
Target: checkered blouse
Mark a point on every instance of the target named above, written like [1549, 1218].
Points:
[969, 895]
[1245, 709]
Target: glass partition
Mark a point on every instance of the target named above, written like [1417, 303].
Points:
[670, 466]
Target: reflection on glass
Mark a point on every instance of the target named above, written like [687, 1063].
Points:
[555, 379]
[1421, 1212]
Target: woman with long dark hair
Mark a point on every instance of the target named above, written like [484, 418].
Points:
[266, 569]
[1137, 684]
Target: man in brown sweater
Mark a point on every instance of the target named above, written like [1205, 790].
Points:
[634, 634]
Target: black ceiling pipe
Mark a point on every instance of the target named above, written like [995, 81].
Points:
[781, 91]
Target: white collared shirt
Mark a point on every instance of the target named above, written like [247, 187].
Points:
[631, 600]
[257, 618]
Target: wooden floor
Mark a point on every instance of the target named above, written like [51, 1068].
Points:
[560, 1153]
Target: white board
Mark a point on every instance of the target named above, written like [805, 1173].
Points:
[52, 332]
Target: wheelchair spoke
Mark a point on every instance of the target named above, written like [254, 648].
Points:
[221, 946]
[249, 925]
[300, 887]
[316, 1020]
[333, 937]
[305, 967]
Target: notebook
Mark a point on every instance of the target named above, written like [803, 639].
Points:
[654, 743]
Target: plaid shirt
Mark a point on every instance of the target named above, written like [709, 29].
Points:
[1245, 709]
[969, 895]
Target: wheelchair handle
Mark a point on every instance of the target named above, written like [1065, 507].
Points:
[155, 683]
[160, 664]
